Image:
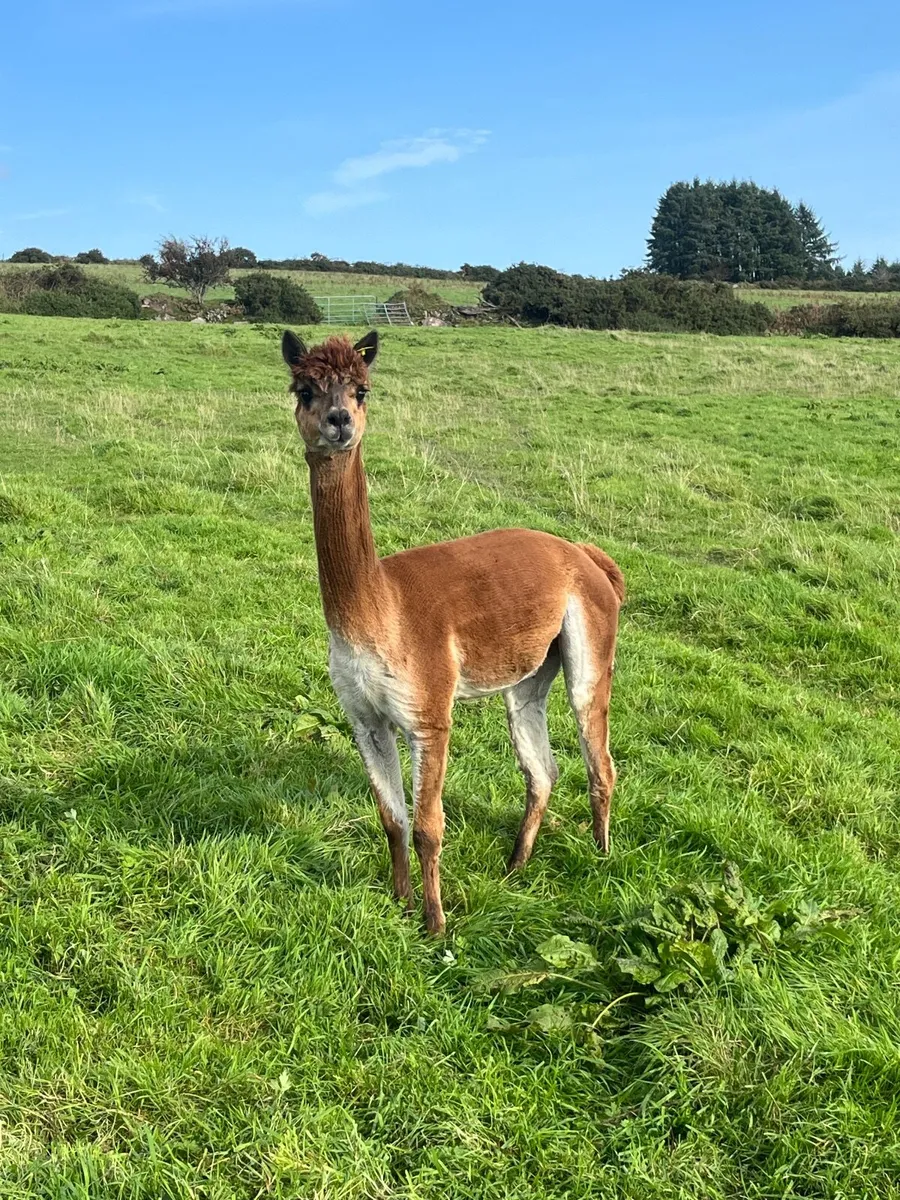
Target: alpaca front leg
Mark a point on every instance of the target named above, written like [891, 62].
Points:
[429, 756]
[377, 744]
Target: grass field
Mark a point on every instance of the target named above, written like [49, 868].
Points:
[790, 297]
[205, 989]
[319, 283]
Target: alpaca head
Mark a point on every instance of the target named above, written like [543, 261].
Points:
[331, 383]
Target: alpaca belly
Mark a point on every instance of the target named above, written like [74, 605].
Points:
[366, 686]
[471, 689]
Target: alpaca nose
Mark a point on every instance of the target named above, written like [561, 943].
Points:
[339, 418]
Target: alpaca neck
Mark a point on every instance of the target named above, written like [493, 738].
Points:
[350, 575]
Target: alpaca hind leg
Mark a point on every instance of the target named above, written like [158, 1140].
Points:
[587, 645]
[526, 710]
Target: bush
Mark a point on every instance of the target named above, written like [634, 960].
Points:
[31, 254]
[269, 297]
[848, 318]
[66, 292]
[420, 302]
[539, 295]
[481, 274]
[241, 258]
[91, 256]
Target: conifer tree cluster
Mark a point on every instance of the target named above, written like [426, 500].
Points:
[737, 233]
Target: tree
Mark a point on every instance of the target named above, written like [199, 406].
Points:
[31, 254]
[91, 256]
[242, 258]
[818, 251]
[731, 232]
[196, 265]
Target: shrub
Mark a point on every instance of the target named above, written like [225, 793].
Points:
[420, 302]
[66, 291]
[31, 254]
[91, 256]
[481, 274]
[847, 318]
[269, 297]
[241, 257]
[539, 295]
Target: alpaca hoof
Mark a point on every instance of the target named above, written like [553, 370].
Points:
[435, 924]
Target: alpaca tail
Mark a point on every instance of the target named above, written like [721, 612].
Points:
[608, 567]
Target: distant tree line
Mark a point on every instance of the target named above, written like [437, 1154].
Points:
[240, 258]
[321, 262]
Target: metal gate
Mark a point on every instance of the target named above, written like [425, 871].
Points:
[345, 310]
[361, 310]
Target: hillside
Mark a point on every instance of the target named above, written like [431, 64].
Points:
[206, 988]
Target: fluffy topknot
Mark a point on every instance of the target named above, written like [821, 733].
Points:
[332, 361]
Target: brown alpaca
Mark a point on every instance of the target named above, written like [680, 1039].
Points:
[411, 633]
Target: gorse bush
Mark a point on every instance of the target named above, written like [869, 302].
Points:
[847, 318]
[538, 295]
[66, 291]
[267, 297]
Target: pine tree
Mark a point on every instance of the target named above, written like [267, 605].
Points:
[818, 252]
[737, 232]
[665, 246]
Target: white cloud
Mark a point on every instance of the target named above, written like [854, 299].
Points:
[435, 146]
[321, 203]
[146, 200]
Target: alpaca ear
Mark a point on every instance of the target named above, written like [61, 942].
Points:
[368, 348]
[292, 349]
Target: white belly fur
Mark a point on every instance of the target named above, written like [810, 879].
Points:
[365, 685]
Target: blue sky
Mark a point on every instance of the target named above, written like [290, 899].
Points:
[437, 133]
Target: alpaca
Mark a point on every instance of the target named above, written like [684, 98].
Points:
[411, 633]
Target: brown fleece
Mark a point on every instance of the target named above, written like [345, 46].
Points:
[334, 361]
[500, 611]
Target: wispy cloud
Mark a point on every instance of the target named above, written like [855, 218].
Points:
[41, 214]
[321, 203]
[436, 146]
[146, 200]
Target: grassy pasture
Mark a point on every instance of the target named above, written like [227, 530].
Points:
[791, 297]
[319, 283]
[205, 989]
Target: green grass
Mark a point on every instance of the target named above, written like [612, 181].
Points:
[319, 283]
[205, 989]
[790, 297]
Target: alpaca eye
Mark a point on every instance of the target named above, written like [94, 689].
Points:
[361, 394]
[306, 395]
